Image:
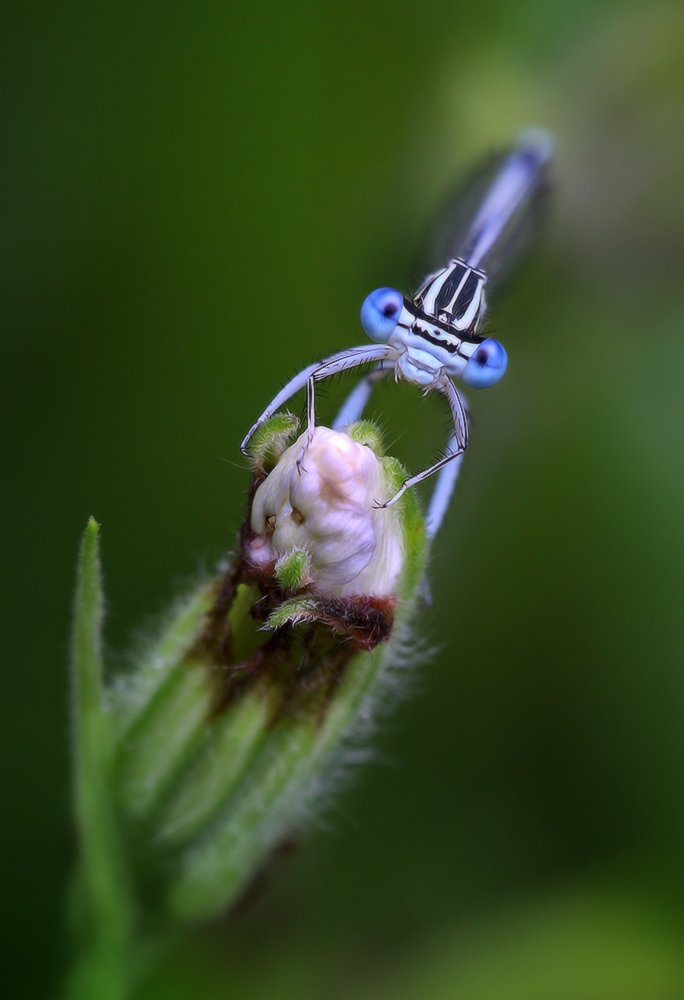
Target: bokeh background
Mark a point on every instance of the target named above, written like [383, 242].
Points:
[195, 200]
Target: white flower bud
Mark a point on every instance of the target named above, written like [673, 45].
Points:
[326, 508]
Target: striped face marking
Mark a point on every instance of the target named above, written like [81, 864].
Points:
[452, 298]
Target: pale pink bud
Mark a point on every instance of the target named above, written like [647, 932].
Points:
[326, 506]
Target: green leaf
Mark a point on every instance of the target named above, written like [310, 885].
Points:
[102, 879]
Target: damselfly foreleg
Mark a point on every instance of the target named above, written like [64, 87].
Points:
[441, 495]
[341, 361]
[458, 442]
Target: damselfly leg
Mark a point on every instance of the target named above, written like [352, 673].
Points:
[343, 361]
[448, 467]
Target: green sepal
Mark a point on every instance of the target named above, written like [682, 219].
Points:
[413, 527]
[293, 570]
[270, 440]
[292, 612]
[368, 433]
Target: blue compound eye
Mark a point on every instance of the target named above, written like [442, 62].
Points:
[380, 312]
[486, 365]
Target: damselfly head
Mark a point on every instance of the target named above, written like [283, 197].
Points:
[486, 365]
[380, 313]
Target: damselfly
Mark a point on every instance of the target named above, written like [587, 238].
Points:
[434, 337]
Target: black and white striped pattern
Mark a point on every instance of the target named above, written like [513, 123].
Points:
[449, 305]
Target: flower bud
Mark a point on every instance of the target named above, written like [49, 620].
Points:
[321, 498]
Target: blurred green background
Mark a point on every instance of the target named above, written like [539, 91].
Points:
[196, 199]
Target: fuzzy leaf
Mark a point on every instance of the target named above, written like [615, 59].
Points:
[103, 879]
